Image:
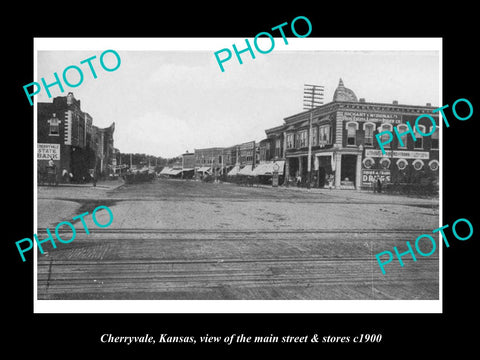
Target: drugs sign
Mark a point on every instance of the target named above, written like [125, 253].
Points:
[370, 175]
[47, 151]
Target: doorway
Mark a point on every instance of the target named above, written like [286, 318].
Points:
[348, 168]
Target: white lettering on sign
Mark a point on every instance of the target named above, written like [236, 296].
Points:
[48, 151]
[361, 116]
[425, 155]
[369, 176]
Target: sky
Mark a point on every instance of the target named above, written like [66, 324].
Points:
[165, 102]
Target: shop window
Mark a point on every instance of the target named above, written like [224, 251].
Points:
[352, 133]
[435, 138]
[419, 142]
[369, 128]
[401, 129]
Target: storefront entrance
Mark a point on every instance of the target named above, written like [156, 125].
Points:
[348, 170]
[324, 168]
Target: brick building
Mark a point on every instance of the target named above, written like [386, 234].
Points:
[104, 149]
[66, 135]
[343, 143]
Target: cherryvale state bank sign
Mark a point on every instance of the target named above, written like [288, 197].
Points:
[48, 151]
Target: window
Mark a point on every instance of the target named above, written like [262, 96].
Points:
[302, 139]
[351, 133]
[314, 136]
[290, 142]
[54, 126]
[324, 135]
[434, 138]
[278, 148]
[369, 129]
[419, 137]
[384, 138]
[401, 129]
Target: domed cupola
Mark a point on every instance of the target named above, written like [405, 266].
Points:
[344, 94]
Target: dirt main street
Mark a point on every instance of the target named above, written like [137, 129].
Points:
[175, 239]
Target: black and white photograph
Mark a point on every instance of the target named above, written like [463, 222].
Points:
[211, 181]
[264, 181]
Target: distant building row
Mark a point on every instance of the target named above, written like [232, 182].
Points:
[343, 146]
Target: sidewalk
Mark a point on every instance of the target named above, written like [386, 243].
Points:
[105, 184]
[360, 195]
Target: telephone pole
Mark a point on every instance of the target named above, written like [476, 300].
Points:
[312, 97]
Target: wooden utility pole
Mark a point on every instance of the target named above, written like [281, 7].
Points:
[312, 97]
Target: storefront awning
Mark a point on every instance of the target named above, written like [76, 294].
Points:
[247, 171]
[234, 171]
[203, 169]
[165, 171]
[175, 171]
[268, 168]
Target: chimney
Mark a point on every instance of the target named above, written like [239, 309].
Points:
[429, 104]
[362, 100]
[395, 102]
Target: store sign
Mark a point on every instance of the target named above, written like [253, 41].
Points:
[425, 155]
[370, 175]
[247, 146]
[361, 116]
[48, 151]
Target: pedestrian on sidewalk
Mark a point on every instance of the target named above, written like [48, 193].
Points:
[65, 175]
[379, 185]
[94, 178]
[330, 181]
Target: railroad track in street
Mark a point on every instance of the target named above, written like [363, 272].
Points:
[234, 264]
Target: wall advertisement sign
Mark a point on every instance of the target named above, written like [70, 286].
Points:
[370, 175]
[424, 155]
[48, 151]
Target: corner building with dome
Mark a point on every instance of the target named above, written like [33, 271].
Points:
[345, 152]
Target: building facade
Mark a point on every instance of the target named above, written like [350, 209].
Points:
[66, 135]
[344, 147]
[104, 150]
